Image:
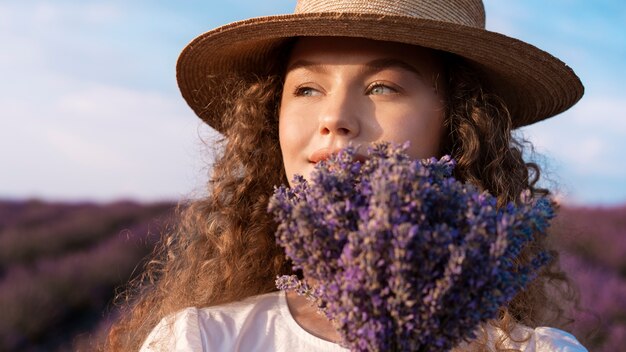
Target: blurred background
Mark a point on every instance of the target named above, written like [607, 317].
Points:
[97, 147]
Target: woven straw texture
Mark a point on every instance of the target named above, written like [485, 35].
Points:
[534, 84]
[465, 12]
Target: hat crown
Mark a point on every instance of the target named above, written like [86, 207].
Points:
[464, 12]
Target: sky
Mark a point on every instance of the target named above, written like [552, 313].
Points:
[89, 108]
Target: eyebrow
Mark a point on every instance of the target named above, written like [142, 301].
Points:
[371, 67]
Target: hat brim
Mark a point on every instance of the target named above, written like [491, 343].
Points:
[534, 84]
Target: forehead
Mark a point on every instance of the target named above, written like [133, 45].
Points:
[346, 51]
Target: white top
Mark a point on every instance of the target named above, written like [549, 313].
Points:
[264, 323]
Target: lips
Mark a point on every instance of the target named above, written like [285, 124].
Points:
[325, 153]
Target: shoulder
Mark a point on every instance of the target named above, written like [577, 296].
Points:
[552, 339]
[209, 328]
[543, 339]
[259, 323]
[175, 332]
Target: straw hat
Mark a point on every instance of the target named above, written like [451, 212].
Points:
[534, 84]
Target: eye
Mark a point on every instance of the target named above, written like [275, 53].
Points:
[306, 92]
[379, 88]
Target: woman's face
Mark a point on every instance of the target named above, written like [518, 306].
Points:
[339, 91]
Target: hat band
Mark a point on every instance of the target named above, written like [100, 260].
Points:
[464, 12]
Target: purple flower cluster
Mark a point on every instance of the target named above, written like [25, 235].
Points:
[403, 256]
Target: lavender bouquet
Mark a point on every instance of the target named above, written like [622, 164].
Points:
[403, 256]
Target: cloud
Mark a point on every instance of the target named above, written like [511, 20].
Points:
[601, 112]
[113, 104]
[585, 147]
[89, 107]
[78, 150]
[84, 111]
[590, 137]
[588, 140]
[102, 142]
[45, 14]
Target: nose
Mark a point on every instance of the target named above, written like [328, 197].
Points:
[340, 116]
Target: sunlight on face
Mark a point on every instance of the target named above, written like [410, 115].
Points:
[341, 91]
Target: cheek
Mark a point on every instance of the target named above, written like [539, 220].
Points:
[423, 128]
[293, 137]
[290, 133]
[297, 123]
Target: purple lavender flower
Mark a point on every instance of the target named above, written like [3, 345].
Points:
[405, 257]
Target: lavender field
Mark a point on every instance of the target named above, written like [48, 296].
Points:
[594, 254]
[61, 263]
[60, 266]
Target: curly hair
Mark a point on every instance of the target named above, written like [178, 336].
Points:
[480, 137]
[223, 247]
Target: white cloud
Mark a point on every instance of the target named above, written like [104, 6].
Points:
[601, 112]
[101, 142]
[69, 129]
[587, 155]
[48, 37]
[586, 146]
[47, 14]
[82, 114]
[83, 153]
[113, 104]
[590, 133]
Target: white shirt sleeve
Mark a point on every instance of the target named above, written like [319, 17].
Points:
[547, 339]
[257, 324]
[540, 339]
[265, 324]
[179, 332]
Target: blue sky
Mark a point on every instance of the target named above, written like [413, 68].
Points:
[89, 107]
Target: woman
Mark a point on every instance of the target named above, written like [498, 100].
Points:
[286, 91]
